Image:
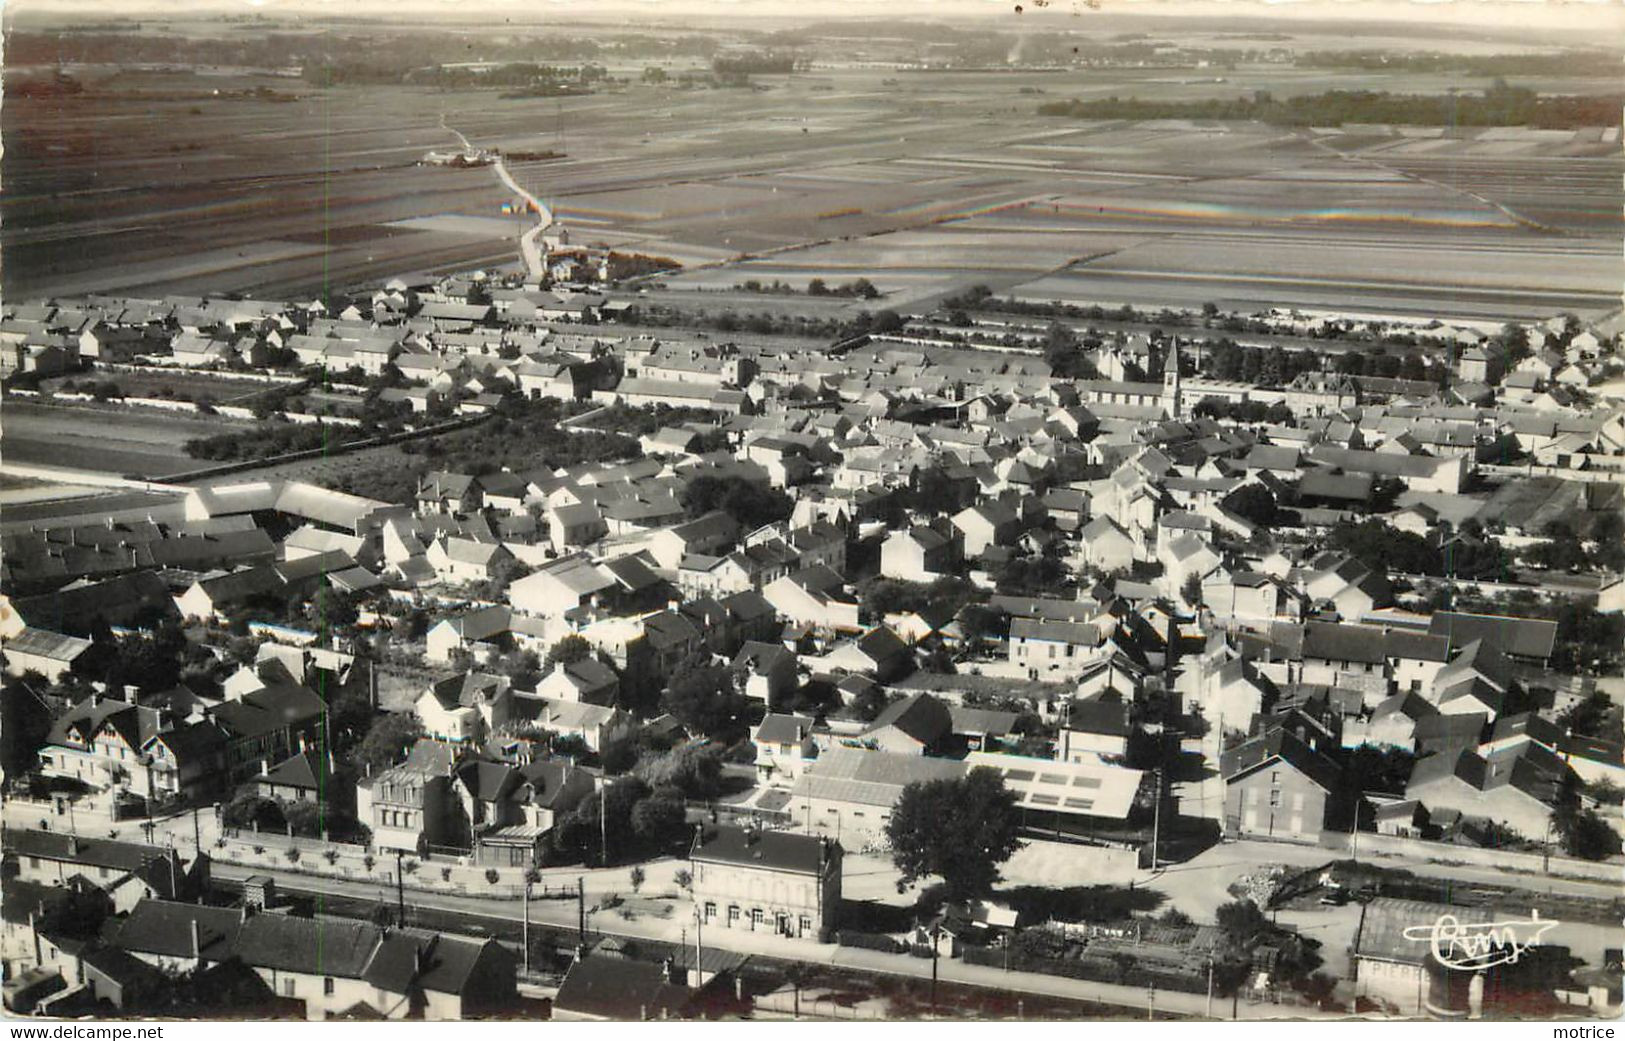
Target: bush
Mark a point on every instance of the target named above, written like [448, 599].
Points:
[445, 874]
[492, 875]
[292, 854]
[1124, 970]
[331, 856]
[868, 941]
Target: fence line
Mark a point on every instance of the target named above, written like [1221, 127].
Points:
[1446, 853]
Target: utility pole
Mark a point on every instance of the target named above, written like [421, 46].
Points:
[400, 893]
[1150, 1003]
[1156, 821]
[699, 950]
[1354, 831]
[936, 938]
[581, 909]
[1210, 986]
[197, 831]
[603, 818]
[524, 934]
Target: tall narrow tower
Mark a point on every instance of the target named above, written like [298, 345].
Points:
[1172, 400]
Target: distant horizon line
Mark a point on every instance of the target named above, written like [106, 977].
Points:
[1512, 16]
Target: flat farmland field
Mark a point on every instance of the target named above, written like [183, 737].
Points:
[921, 182]
[107, 441]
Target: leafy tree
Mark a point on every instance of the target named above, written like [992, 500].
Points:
[580, 838]
[747, 502]
[349, 716]
[568, 650]
[869, 704]
[704, 699]
[886, 321]
[1242, 927]
[25, 720]
[388, 739]
[961, 830]
[1255, 503]
[980, 623]
[1064, 354]
[695, 772]
[307, 819]
[1583, 832]
[248, 809]
[660, 819]
[1037, 575]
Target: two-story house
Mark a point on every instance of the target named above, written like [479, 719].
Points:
[776, 882]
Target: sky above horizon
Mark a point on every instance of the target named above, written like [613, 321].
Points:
[1488, 13]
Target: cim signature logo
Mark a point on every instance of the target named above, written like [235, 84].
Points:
[1481, 945]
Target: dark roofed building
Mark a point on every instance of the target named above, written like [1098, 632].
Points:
[913, 725]
[778, 882]
[1524, 639]
[331, 965]
[1092, 728]
[600, 987]
[1276, 786]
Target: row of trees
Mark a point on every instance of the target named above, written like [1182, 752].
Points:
[764, 323]
[1498, 105]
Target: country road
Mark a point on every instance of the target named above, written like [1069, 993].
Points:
[529, 249]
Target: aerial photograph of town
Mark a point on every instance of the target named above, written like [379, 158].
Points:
[829, 511]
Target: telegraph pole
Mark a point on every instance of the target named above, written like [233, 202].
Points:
[603, 818]
[1156, 820]
[936, 944]
[1210, 986]
[581, 909]
[524, 935]
[1354, 831]
[400, 893]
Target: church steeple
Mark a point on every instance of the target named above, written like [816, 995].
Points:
[1172, 399]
